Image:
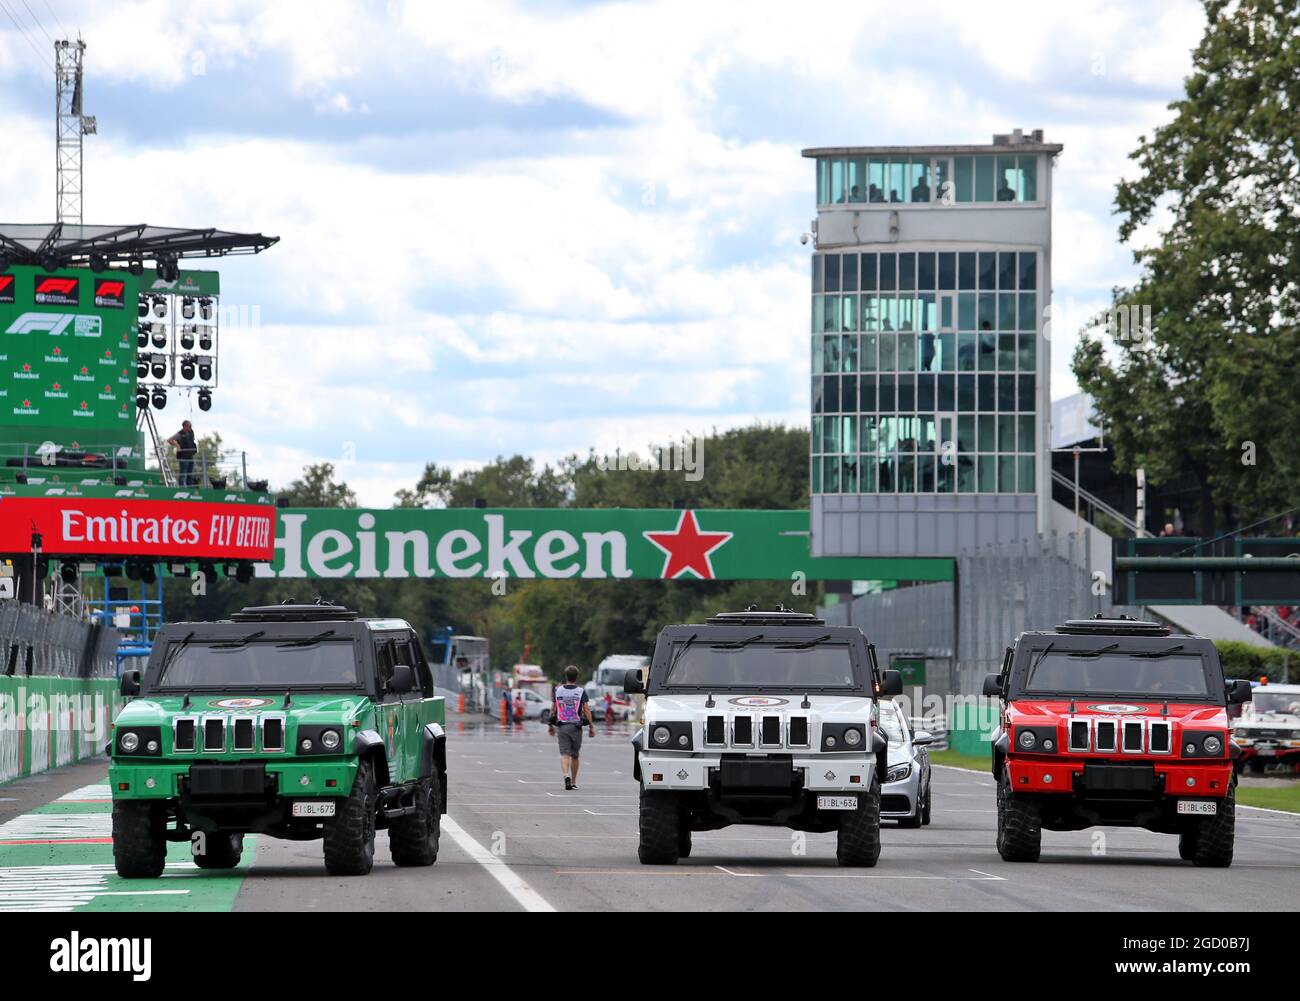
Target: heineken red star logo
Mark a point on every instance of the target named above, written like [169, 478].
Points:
[84, 370]
[58, 351]
[687, 548]
[26, 367]
[57, 387]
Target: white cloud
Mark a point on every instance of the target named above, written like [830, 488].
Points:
[635, 281]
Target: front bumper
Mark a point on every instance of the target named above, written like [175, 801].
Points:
[292, 778]
[826, 773]
[1174, 777]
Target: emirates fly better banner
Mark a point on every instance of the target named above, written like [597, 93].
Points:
[564, 543]
[67, 349]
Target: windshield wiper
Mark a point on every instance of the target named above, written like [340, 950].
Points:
[1161, 653]
[306, 640]
[678, 656]
[803, 646]
[1094, 653]
[236, 644]
[739, 644]
[172, 654]
[1029, 677]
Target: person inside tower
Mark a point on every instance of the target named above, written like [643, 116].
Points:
[186, 449]
[1006, 193]
[921, 189]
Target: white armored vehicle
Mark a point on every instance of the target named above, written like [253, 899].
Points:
[761, 717]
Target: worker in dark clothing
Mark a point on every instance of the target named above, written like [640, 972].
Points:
[186, 449]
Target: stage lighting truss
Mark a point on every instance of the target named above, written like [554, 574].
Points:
[179, 340]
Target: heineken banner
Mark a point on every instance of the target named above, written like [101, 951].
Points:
[193, 283]
[562, 543]
[67, 349]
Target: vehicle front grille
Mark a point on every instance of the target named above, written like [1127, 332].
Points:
[1079, 735]
[1133, 738]
[185, 736]
[243, 734]
[272, 733]
[771, 731]
[715, 730]
[798, 731]
[742, 732]
[1159, 737]
[1106, 735]
[214, 733]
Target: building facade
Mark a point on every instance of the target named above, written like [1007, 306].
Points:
[931, 287]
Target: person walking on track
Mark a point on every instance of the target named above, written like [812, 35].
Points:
[571, 707]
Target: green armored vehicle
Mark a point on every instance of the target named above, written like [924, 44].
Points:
[301, 722]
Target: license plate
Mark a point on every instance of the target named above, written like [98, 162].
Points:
[313, 809]
[1198, 806]
[1267, 752]
[837, 802]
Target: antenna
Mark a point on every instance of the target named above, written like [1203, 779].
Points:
[71, 126]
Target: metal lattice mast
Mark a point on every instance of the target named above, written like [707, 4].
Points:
[70, 128]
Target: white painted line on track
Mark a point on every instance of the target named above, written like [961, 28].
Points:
[751, 875]
[595, 814]
[523, 894]
[1263, 809]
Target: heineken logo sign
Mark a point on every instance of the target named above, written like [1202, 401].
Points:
[565, 543]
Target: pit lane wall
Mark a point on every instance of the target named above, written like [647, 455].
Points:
[58, 690]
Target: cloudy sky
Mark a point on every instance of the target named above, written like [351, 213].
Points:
[544, 227]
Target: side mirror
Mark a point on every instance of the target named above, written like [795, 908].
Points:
[993, 686]
[131, 684]
[632, 683]
[403, 679]
[891, 683]
[922, 737]
[1239, 692]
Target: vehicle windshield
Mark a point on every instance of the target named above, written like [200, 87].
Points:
[1276, 702]
[232, 665]
[722, 665]
[890, 724]
[1071, 672]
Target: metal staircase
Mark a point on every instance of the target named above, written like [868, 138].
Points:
[1096, 503]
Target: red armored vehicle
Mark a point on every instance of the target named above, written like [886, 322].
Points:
[1114, 722]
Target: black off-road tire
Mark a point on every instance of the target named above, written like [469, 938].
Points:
[684, 842]
[1020, 829]
[1187, 844]
[858, 840]
[222, 851]
[929, 799]
[660, 829]
[1215, 835]
[350, 836]
[413, 840]
[139, 839]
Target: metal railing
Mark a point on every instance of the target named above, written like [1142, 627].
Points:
[123, 466]
[1279, 630]
[1096, 504]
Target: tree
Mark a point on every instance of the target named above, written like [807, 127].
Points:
[317, 488]
[513, 482]
[1210, 388]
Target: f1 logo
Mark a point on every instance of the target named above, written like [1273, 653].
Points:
[53, 324]
[54, 291]
[61, 285]
[6, 288]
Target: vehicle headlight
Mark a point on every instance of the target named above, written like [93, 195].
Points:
[130, 742]
[661, 735]
[330, 740]
[1241, 733]
[899, 772]
[1212, 745]
[152, 747]
[1027, 739]
[853, 736]
[305, 744]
